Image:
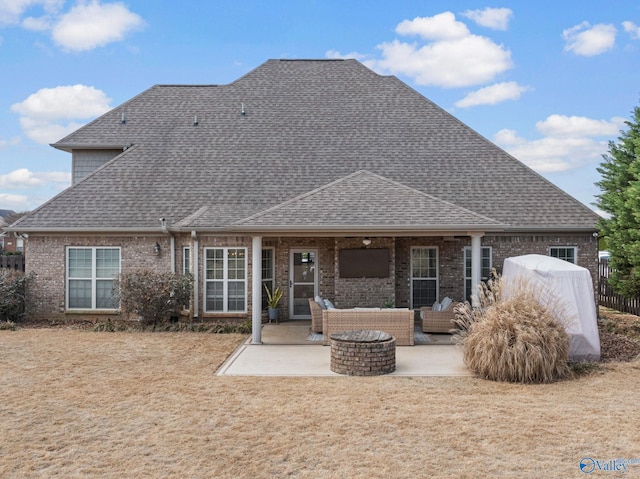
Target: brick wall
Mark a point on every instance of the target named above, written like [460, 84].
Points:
[364, 292]
[47, 260]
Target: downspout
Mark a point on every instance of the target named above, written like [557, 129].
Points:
[196, 275]
[172, 244]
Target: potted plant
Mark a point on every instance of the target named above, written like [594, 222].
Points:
[273, 300]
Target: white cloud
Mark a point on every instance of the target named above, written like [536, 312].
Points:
[562, 126]
[87, 25]
[586, 40]
[10, 142]
[49, 114]
[569, 142]
[40, 24]
[12, 10]
[632, 29]
[495, 18]
[447, 55]
[334, 54]
[442, 26]
[90, 25]
[13, 202]
[25, 179]
[508, 137]
[493, 94]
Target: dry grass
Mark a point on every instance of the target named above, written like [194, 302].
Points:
[514, 337]
[85, 404]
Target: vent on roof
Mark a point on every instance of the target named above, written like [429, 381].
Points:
[123, 120]
[195, 120]
[243, 112]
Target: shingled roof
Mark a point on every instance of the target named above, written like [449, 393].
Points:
[296, 144]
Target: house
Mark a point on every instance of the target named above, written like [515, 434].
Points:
[317, 176]
[9, 243]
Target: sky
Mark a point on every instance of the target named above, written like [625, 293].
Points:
[552, 83]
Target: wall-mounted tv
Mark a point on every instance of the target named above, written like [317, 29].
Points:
[363, 263]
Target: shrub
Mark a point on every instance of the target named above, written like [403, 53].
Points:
[7, 326]
[151, 295]
[14, 288]
[515, 339]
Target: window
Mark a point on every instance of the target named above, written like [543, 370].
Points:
[20, 245]
[90, 275]
[267, 274]
[226, 280]
[424, 276]
[567, 253]
[186, 260]
[485, 270]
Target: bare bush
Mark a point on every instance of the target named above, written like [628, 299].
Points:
[151, 295]
[13, 294]
[515, 339]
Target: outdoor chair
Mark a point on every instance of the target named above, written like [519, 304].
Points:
[316, 316]
[437, 321]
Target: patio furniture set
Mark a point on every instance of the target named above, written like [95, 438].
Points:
[397, 322]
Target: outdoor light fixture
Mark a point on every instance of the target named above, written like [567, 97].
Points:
[366, 241]
[156, 249]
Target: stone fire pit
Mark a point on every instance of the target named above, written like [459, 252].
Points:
[363, 353]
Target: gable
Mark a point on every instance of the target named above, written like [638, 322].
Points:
[364, 200]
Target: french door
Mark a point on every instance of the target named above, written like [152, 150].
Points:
[303, 281]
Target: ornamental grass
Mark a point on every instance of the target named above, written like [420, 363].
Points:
[519, 338]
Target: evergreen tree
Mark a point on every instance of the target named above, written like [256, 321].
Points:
[620, 198]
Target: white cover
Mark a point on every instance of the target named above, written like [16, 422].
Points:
[573, 286]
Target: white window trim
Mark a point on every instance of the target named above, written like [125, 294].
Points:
[574, 248]
[273, 269]
[186, 256]
[467, 250]
[411, 277]
[225, 280]
[93, 277]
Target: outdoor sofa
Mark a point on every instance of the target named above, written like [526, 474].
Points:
[396, 322]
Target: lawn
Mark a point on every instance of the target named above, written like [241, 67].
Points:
[87, 404]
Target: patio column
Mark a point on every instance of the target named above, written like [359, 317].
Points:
[256, 290]
[476, 266]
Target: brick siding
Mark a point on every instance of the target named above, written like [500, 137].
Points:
[47, 259]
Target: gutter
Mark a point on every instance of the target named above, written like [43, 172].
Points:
[325, 230]
[69, 147]
[74, 230]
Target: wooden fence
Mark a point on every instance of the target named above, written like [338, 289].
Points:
[609, 299]
[15, 261]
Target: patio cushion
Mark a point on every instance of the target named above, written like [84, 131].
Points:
[320, 302]
[329, 304]
[446, 302]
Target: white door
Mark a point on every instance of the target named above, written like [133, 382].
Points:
[303, 281]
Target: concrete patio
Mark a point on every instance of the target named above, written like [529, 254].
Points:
[287, 351]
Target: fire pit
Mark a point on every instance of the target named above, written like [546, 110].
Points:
[363, 353]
